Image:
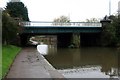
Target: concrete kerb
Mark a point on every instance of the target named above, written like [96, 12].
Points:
[52, 71]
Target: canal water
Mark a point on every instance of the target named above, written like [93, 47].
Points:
[86, 62]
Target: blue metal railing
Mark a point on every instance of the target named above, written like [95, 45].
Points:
[57, 24]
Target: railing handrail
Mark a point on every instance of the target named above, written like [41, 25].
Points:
[55, 22]
[70, 24]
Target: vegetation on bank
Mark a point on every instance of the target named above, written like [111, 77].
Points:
[9, 29]
[9, 53]
[14, 13]
[111, 31]
[0, 62]
[11, 15]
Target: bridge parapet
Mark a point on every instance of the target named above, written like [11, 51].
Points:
[59, 24]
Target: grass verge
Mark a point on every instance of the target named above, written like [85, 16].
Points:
[0, 62]
[9, 53]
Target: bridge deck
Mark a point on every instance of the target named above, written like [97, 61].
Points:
[61, 24]
[55, 27]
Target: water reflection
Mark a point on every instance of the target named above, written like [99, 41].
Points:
[52, 49]
[85, 62]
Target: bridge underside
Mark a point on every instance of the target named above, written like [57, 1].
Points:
[64, 39]
[90, 39]
[55, 30]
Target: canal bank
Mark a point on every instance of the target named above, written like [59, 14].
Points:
[31, 64]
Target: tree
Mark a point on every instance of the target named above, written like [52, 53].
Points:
[17, 10]
[92, 20]
[9, 28]
[111, 32]
[62, 20]
[116, 24]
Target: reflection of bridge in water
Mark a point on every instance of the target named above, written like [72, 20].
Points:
[88, 31]
[106, 59]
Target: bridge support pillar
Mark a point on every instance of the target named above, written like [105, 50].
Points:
[23, 39]
[75, 40]
[64, 40]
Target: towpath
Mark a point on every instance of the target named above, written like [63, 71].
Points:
[30, 64]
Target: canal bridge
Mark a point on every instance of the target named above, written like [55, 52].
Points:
[89, 31]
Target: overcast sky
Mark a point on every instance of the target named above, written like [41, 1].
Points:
[77, 10]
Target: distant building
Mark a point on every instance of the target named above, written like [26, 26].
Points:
[119, 8]
[15, 1]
